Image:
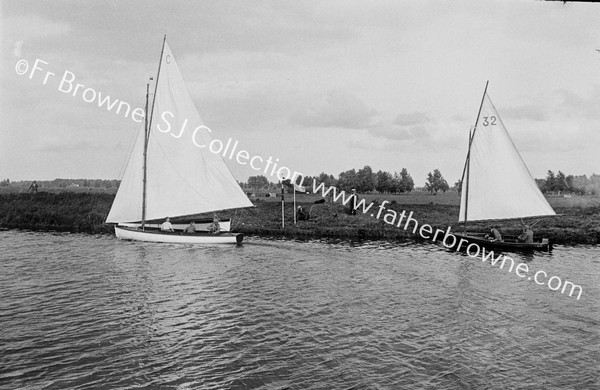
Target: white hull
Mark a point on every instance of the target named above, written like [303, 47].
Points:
[126, 233]
[224, 226]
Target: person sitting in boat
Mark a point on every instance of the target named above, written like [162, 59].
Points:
[214, 227]
[527, 235]
[494, 234]
[300, 215]
[191, 228]
[166, 226]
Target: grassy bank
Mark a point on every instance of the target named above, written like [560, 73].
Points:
[63, 211]
[86, 212]
[578, 224]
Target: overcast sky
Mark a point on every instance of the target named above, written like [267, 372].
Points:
[324, 86]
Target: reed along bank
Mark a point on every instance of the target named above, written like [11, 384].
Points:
[62, 211]
[579, 222]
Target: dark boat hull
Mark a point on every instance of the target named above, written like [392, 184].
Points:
[506, 245]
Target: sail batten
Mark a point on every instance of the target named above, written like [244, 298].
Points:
[499, 185]
[183, 178]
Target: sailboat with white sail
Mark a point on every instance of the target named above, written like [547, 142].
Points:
[170, 173]
[496, 184]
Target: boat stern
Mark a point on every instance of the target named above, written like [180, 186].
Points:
[547, 244]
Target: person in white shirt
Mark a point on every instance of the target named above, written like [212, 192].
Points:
[166, 226]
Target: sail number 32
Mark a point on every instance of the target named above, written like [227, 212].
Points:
[489, 121]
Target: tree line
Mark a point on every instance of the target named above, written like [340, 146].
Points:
[64, 183]
[560, 183]
[363, 180]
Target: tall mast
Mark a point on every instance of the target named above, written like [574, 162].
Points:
[148, 126]
[468, 162]
[157, 77]
[146, 134]
[464, 177]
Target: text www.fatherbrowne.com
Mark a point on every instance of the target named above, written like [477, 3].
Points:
[449, 240]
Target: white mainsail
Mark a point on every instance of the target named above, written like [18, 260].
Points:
[182, 177]
[499, 185]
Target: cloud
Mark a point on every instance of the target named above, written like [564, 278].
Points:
[574, 105]
[528, 111]
[33, 27]
[336, 109]
[248, 108]
[66, 147]
[459, 118]
[411, 126]
[268, 66]
[400, 133]
[413, 118]
[201, 27]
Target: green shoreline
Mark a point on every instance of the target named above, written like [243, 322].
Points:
[86, 212]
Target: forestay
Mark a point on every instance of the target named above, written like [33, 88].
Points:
[183, 176]
[499, 185]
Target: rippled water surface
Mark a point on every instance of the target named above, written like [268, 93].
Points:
[80, 311]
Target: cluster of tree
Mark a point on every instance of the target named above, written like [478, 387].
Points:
[398, 182]
[365, 180]
[458, 186]
[436, 182]
[560, 183]
[259, 182]
[5, 183]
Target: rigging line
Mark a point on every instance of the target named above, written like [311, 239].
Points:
[535, 223]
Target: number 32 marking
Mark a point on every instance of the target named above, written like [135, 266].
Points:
[490, 122]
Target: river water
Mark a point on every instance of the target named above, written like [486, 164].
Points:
[90, 311]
